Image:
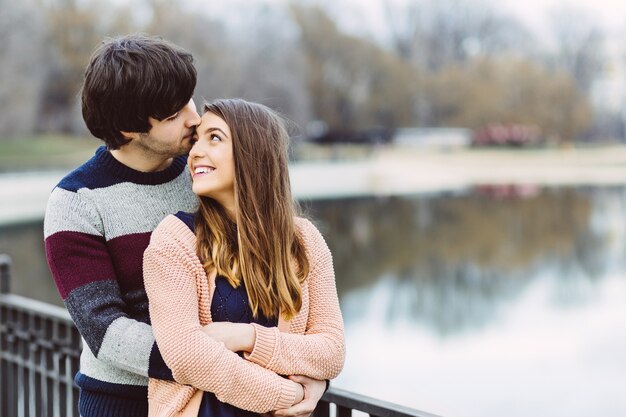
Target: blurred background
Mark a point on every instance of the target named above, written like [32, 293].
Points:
[464, 159]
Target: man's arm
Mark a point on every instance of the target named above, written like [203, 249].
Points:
[83, 272]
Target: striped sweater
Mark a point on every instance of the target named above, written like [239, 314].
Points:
[312, 343]
[97, 225]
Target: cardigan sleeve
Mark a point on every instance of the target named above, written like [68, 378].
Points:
[320, 352]
[170, 272]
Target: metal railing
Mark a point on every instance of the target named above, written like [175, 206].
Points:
[39, 356]
[345, 402]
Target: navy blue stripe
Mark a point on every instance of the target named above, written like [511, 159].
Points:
[103, 170]
[84, 382]
[104, 399]
[157, 367]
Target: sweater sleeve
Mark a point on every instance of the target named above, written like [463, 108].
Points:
[171, 268]
[79, 261]
[320, 352]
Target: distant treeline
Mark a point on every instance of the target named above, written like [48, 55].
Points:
[445, 63]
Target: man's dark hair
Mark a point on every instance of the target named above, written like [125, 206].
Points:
[131, 78]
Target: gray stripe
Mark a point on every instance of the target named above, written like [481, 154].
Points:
[132, 208]
[67, 211]
[120, 209]
[128, 344]
[102, 371]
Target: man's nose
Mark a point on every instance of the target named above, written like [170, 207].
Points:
[194, 119]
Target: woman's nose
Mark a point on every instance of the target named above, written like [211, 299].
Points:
[197, 150]
[194, 151]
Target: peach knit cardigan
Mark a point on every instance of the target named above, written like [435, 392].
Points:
[312, 343]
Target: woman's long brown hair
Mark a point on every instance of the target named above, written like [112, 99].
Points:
[262, 248]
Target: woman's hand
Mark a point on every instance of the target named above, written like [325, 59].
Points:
[313, 392]
[237, 337]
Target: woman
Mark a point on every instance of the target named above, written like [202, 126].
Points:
[244, 257]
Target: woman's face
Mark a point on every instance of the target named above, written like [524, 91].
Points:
[211, 161]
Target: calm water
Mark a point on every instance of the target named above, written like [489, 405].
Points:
[495, 302]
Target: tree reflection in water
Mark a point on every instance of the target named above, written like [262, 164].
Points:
[461, 256]
[453, 258]
[447, 296]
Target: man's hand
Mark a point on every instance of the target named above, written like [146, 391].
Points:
[313, 391]
[237, 337]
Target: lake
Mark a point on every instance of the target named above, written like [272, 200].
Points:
[492, 301]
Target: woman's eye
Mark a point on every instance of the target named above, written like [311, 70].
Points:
[173, 117]
[215, 138]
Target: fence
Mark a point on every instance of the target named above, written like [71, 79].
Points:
[39, 356]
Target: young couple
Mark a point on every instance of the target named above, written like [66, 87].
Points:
[178, 253]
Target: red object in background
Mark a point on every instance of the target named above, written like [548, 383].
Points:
[507, 135]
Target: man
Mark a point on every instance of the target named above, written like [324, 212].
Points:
[137, 98]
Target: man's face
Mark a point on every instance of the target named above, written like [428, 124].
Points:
[171, 136]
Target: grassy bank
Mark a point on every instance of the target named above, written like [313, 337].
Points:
[44, 152]
[55, 152]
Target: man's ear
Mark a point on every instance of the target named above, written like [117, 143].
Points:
[129, 135]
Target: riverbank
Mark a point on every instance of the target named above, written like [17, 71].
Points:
[386, 171]
[396, 170]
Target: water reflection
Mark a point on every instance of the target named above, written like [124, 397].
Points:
[457, 257]
[30, 274]
[486, 303]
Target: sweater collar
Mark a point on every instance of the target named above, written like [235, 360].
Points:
[125, 173]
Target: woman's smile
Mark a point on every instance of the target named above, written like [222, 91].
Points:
[200, 170]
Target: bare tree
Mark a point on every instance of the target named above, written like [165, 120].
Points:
[22, 30]
[353, 83]
[75, 28]
[580, 45]
[261, 63]
[432, 35]
[508, 90]
[274, 68]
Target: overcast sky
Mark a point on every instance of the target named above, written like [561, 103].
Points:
[535, 14]
[611, 13]
[363, 16]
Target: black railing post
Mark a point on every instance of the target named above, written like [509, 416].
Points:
[5, 273]
[5, 276]
[39, 355]
[346, 401]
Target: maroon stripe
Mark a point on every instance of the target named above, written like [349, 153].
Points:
[127, 253]
[76, 259]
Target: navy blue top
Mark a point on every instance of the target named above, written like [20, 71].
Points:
[228, 304]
